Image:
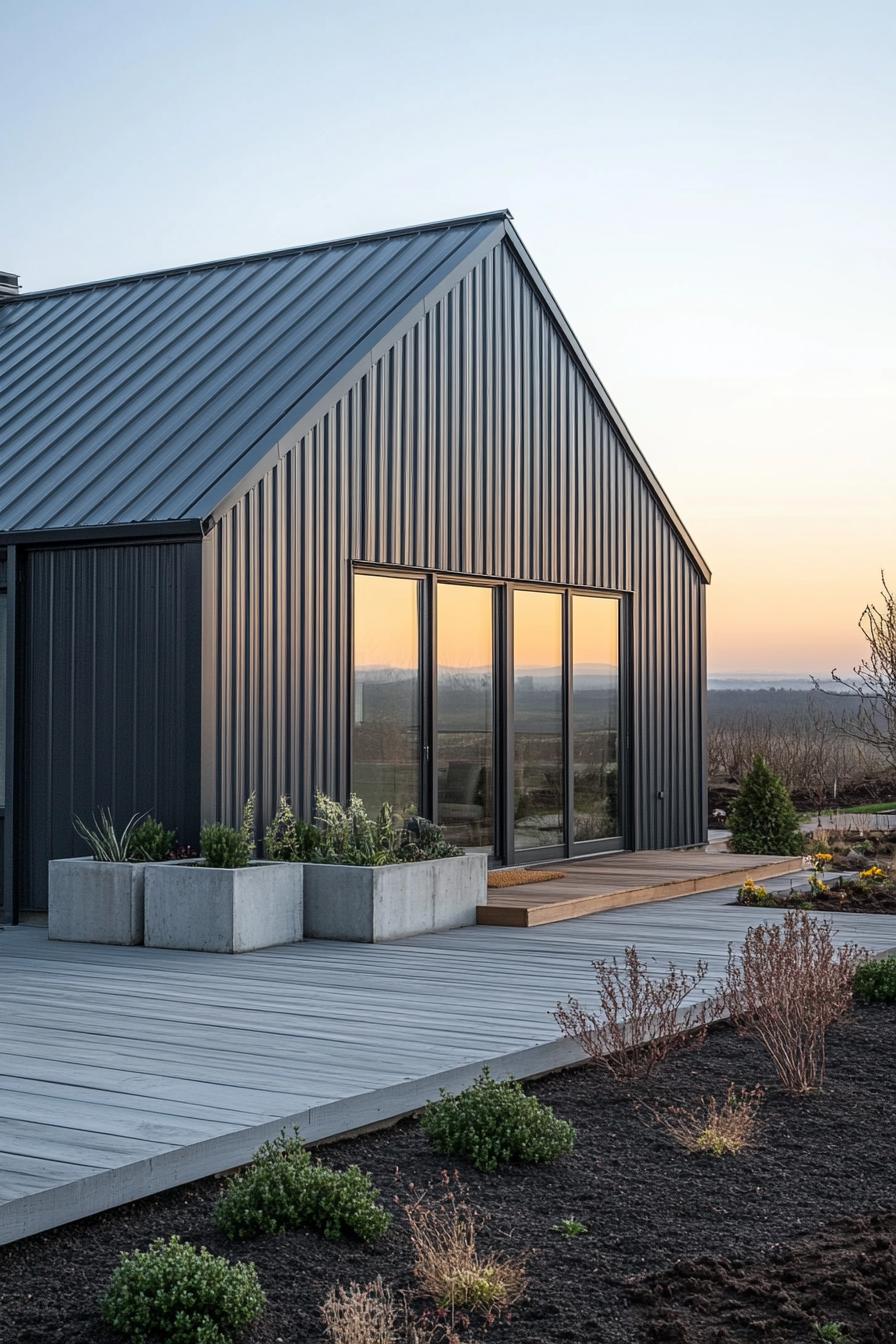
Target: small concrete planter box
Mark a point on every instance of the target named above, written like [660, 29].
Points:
[201, 909]
[372, 905]
[94, 902]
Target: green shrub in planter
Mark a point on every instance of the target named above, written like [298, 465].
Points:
[875, 982]
[762, 818]
[492, 1122]
[285, 1188]
[150, 842]
[349, 835]
[288, 839]
[178, 1295]
[226, 847]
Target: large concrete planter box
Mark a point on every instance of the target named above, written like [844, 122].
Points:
[372, 905]
[93, 902]
[190, 906]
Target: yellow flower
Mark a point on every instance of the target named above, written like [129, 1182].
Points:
[872, 874]
[822, 857]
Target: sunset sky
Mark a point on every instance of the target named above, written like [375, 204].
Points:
[708, 188]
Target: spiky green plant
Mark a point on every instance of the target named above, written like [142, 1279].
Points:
[106, 843]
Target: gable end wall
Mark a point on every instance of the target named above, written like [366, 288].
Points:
[473, 445]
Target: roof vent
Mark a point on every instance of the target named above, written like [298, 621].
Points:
[9, 286]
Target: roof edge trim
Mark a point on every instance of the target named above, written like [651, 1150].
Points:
[273, 254]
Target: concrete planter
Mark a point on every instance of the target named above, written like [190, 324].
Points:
[190, 906]
[372, 905]
[94, 902]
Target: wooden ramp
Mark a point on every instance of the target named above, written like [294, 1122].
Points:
[608, 881]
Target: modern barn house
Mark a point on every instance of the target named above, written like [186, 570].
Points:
[356, 516]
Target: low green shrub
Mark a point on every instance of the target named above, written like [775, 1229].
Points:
[285, 1188]
[493, 1122]
[420, 839]
[350, 835]
[177, 1295]
[151, 842]
[224, 846]
[288, 839]
[875, 981]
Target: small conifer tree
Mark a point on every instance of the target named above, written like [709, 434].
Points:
[763, 819]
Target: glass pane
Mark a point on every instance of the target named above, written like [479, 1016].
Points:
[386, 729]
[595, 716]
[465, 700]
[538, 793]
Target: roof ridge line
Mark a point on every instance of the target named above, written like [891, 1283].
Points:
[270, 255]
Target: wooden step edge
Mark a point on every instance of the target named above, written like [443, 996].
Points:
[530, 916]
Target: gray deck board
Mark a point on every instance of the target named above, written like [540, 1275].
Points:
[124, 1071]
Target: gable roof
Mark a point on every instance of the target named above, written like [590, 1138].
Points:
[131, 400]
[152, 397]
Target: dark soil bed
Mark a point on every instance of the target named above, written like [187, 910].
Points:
[707, 1233]
[843, 1276]
[853, 898]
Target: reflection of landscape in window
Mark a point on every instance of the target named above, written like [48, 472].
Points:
[386, 728]
[465, 710]
[538, 788]
[595, 715]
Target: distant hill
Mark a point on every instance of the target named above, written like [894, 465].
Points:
[765, 681]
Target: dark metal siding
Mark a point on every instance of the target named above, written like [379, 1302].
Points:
[109, 696]
[474, 445]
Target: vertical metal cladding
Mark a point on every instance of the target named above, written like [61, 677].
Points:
[474, 444]
[110, 694]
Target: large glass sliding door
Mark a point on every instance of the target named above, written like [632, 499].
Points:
[387, 741]
[495, 708]
[538, 784]
[465, 714]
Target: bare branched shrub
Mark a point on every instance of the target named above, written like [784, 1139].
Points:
[370, 1314]
[873, 683]
[642, 1016]
[807, 746]
[449, 1267]
[720, 1128]
[788, 984]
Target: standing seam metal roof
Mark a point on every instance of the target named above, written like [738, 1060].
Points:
[132, 400]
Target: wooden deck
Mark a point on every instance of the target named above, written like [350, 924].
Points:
[125, 1071]
[612, 881]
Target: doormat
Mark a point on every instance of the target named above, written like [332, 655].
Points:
[519, 877]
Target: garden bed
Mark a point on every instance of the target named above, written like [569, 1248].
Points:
[852, 898]
[842, 1278]
[856, 849]
[647, 1204]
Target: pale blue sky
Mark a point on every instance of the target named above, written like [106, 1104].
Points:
[709, 189]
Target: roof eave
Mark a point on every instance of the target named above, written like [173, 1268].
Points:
[99, 534]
